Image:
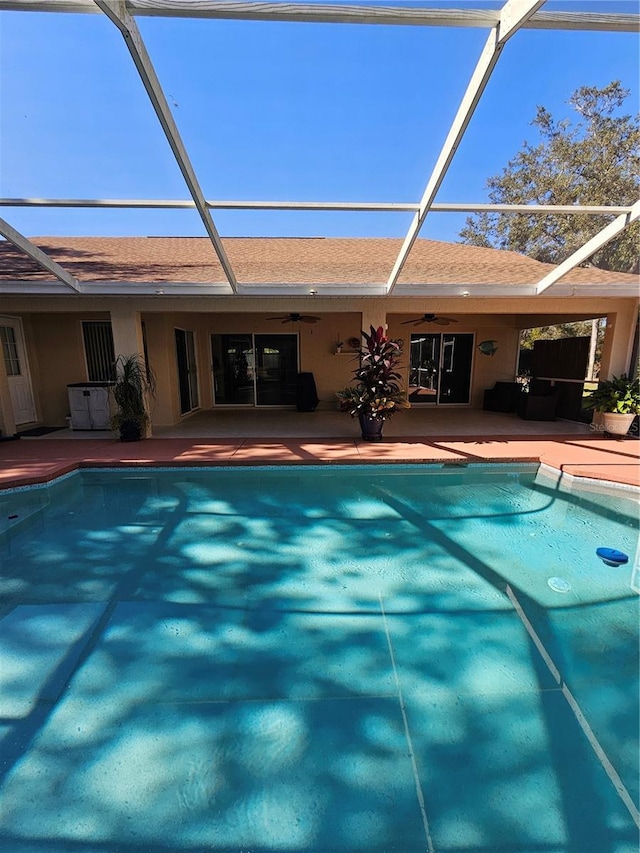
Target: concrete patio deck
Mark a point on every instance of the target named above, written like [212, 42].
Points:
[283, 437]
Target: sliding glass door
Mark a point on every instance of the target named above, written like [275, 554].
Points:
[254, 370]
[233, 373]
[276, 369]
[424, 368]
[440, 368]
[187, 370]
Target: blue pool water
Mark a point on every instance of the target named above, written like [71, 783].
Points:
[317, 659]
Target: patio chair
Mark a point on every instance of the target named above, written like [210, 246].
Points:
[539, 404]
[503, 397]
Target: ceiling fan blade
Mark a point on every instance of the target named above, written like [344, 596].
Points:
[440, 321]
[407, 322]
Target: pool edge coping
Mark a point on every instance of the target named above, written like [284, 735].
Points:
[556, 477]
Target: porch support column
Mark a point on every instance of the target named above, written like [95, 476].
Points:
[126, 326]
[374, 316]
[618, 343]
[127, 332]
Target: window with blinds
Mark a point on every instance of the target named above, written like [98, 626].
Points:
[99, 351]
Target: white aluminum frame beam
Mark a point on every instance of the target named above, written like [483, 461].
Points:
[41, 258]
[156, 293]
[337, 14]
[512, 16]
[590, 247]
[371, 206]
[116, 11]
[367, 206]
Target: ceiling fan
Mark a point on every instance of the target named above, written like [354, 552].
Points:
[296, 318]
[429, 318]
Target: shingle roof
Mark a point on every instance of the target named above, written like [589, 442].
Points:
[290, 260]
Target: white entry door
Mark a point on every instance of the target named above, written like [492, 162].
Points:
[17, 369]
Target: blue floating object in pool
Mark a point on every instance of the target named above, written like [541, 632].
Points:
[612, 557]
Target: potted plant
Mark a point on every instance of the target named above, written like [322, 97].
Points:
[618, 399]
[375, 393]
[134, 382]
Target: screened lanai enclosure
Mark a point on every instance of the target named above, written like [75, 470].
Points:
[498, 24]
[301, 182]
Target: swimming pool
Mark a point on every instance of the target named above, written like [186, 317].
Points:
[317, 659]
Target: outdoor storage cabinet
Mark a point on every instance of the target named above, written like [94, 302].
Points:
[89, 405]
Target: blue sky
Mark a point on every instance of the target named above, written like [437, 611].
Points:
[274, 111]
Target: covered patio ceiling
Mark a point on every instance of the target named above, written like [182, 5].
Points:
[503, 24]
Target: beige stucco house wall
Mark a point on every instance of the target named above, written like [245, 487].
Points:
[492, 304]
[56, 354]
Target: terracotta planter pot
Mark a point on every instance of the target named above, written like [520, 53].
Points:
[616, 424]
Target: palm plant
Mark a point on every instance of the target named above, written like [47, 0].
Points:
[134, 382]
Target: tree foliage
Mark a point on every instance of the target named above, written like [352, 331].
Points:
[594, 160]
[580, 328]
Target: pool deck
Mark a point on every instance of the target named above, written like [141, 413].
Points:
[36, 460]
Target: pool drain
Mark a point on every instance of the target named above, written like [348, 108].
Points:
[559, 585]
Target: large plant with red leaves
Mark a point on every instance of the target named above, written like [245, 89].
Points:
[375, 391]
